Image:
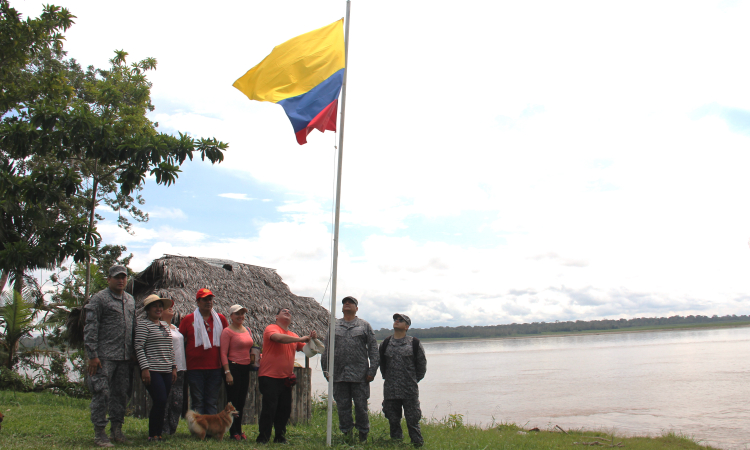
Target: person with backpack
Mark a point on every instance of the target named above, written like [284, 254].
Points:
[356, 364]
[403, 364]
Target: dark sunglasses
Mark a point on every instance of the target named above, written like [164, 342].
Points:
[398, 319]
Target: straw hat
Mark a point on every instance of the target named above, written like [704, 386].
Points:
[155, 298]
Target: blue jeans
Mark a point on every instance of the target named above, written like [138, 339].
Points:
[161, 383]
[204, 389]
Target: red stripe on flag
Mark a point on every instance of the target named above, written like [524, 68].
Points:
[325, 120]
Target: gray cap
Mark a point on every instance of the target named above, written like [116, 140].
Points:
[352, 299]
[116, 270]
[402, 316]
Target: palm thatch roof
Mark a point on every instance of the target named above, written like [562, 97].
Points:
[259, 289]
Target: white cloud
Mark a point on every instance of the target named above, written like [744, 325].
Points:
[167, 213]
[236, 196]
[569, 139]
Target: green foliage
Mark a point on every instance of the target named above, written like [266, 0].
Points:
[70, 139]
[17, 321]
[62, 422]
[62, 318]
[12, 380]
[20, 41]
[454, 421]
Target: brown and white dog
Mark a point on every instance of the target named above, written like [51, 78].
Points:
[216, 425]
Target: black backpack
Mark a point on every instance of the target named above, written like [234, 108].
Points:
[386, 341]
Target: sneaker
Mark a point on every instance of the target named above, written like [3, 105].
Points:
[236, 437]
[280, 440]
[242, 435]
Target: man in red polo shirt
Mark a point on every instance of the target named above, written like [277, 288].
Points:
[276, 376]
[202, 331]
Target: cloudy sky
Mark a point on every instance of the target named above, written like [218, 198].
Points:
[504, 161]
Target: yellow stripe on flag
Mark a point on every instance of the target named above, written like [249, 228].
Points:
[296, 66]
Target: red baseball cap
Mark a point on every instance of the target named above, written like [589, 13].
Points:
[202, 293]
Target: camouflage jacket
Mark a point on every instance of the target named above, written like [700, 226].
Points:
[356, 351]
[401, 370]
[110, 326]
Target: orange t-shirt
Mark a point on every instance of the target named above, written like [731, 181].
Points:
[278, 358]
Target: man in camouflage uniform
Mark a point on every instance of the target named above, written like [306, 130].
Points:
[108, 338]
[356, 363]
[403, 364]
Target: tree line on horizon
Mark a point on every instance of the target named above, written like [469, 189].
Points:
[522, 329]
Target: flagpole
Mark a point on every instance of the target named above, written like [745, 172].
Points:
[332, 321]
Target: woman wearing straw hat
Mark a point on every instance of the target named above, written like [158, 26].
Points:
[176, 394]
[153, 347]
[236, 342]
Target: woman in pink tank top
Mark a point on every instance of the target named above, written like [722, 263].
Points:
[236, 342]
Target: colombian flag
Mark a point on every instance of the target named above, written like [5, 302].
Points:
[304, 75]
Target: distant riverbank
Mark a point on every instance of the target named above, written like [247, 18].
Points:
[702, 326]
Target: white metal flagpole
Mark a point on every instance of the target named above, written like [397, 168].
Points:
[332, 324]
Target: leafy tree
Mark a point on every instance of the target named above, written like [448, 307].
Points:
[17, 322]
[22, 40]
[21, 199]
[71, 139]
[61, 318]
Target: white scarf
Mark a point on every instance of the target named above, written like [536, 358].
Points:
[201, 337]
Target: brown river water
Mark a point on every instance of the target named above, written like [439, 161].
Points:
[691, 382]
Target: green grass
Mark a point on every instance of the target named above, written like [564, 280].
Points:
[35, 421]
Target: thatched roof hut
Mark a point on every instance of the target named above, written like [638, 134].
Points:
[259, 289]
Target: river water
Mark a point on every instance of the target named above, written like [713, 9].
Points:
[693, 382]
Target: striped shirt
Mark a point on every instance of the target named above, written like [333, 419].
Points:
[153, 346]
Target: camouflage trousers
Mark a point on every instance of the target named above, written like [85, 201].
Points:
[344, 393]
[413, 413]
[110, 388]
[174, 404]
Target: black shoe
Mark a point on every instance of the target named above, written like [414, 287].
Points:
[280, 440]
[417, 444]
[261, 441]
[362, 436]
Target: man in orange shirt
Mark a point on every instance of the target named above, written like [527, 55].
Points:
[276, 376]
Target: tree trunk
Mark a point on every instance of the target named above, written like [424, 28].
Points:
[18, 281]
[3, 280]
[87, 290]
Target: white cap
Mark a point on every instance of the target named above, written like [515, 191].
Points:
[235, 308]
